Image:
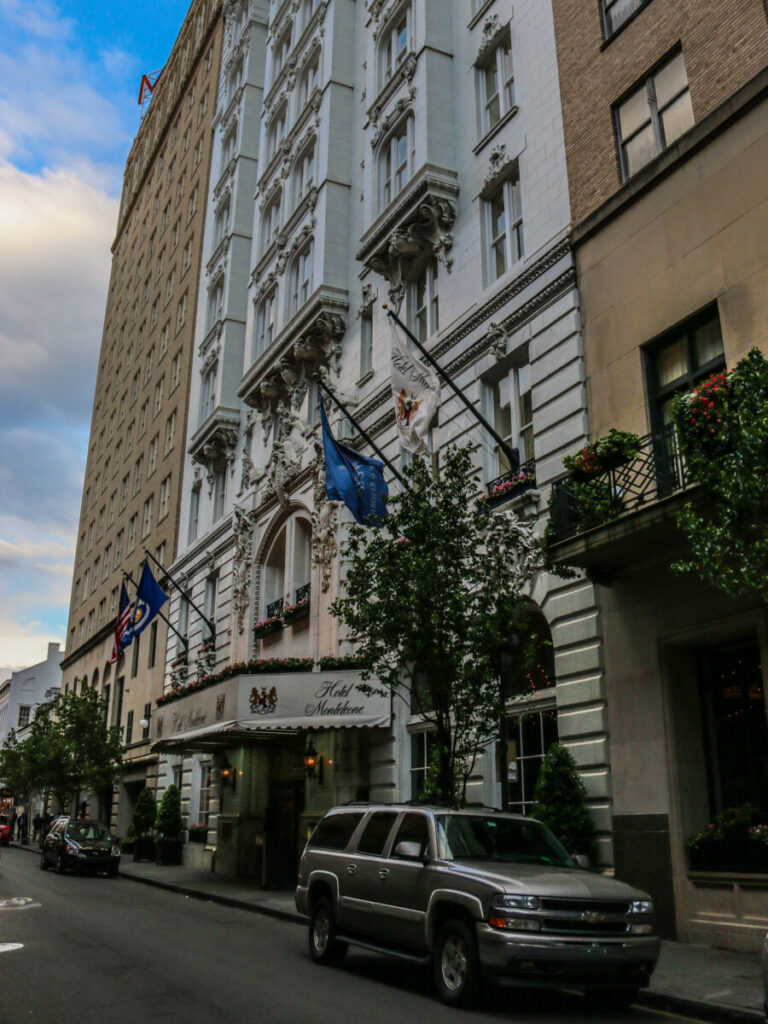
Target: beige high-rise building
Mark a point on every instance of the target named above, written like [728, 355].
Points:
[133, 474]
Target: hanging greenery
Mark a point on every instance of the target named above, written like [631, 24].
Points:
[722, 429]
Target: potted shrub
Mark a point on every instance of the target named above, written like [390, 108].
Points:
[617, 448]
[561, 802]
[735, 841]
[584, 465]
[169, 826]
[142, 822]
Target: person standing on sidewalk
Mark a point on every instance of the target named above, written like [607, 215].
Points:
[21, 826]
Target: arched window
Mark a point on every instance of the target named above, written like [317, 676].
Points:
[215, 302]
[301, 278]
[395, 162]
[280, 52]
[266, 321]
[221, 225]
[287, 567]
[304, 172]
[276, 130]
[394, 45]
[270, 221]
[309, 79]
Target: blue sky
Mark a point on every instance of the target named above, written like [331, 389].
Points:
[69, 80]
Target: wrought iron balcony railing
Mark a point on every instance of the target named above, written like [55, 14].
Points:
[275, 609]
[657, 471]
[302, 593]
[517, 480]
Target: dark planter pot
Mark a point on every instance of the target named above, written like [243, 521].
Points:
[275, 627]
[168, 851]
[198, 835]
[300, 613]
[144, 848]
[734, 855]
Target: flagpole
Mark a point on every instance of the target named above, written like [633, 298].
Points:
[183, 639]
[360, 430]
[183, 592]
[512, 454]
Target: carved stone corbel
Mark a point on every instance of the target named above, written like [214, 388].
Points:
[324, 521]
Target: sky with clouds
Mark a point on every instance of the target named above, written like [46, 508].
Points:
[69, 80]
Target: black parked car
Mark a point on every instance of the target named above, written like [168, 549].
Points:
[82, 846]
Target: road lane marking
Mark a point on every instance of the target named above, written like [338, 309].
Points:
[19, 903]
[9, 947]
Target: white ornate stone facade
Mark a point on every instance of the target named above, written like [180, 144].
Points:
[375, 176]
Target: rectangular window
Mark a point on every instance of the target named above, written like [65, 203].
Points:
[23, 720]
[529, 738]
[135, 662]
[513, 416]
[129, 728]
[422, 302]
[653, 116]
[422, 744]
[504, 228]
[131, 533]
[165, 498]
[497, 86]
[616, 12]
[152, 652]
[209, 603]
[146, 525]
[219, 492]
[145, 729]
[170, 430]
[204, 801]
[366, 342]
[680, 360]
[194, 514]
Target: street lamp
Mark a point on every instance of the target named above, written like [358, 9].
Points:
[504, 661]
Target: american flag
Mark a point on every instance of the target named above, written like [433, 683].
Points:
[123, 626]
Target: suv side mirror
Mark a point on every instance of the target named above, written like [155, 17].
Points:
[581, 860]
[409, 851]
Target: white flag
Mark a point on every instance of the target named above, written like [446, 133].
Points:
[416, 391]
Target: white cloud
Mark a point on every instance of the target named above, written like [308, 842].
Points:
[37, 17]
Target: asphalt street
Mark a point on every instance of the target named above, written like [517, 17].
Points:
[94, 950]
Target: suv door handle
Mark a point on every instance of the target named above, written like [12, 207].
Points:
[351, 869]
[384, 873]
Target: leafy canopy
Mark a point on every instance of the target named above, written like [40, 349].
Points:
[722, 426]
[429, 600]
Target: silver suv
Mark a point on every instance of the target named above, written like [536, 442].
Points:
[476, 893]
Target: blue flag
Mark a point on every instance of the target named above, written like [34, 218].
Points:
[150, 598]
[353, 478]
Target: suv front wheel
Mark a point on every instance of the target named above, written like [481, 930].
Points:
[455, 964]
[324, 947]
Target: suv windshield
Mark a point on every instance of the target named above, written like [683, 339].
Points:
[82, 833]
[512, 840]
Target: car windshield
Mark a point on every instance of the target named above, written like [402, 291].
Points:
[510, 840]
[83, 832]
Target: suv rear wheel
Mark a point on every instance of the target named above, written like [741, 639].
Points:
[324, 947]
[455, 964]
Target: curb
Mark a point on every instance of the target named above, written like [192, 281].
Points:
[717, 1013]
[225, 901]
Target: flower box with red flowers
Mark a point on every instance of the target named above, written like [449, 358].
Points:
[294, 612]
[273, 624]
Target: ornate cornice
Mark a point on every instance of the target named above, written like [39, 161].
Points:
[404, 74]
[218, 434]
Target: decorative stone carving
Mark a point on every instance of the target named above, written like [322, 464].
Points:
[247, 471]
[498, 338]
[242, 559]
[367, 299]
[287, 448]
[324, 521]
[218, 449]
[491, 30]
[405, 73]
[498, 166]
[403, 104]
[508, 532]
[427, 233]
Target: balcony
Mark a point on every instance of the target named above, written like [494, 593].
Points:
[511, 485]
[623, 516]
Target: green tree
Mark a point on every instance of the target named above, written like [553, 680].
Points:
[561, 801]
[722, 427]
[14, 766]
[144, 813]
[168, 821]
[429, 599]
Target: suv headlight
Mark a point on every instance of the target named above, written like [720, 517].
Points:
[115, 851]
[641, 907]
[505, 901]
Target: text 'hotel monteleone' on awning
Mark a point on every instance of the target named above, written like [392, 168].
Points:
[239, 709]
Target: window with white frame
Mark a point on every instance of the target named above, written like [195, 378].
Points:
[170, 430]
[308, 8]
[504, 227]
[280, 52]
[313, 403]
[512, 415]
[132, 533]
[159, 395]
[301, 278]
[209, 603]
[165, 498]
[422, 302]
[215, 302]
[152, 460]
[304, 172]
[266, 320]
[194, 514]
[205, 794]
[530, 737]
[395, 162]
[394, 46]
[276, 131]
[308, 80]
[287, 567]
[219, 492]
[146, 524]
[617, 12]
[270, 221]
[221, 225]
[497, 85]
[422, 745]
[208, 393]
[366, 342]
[653, 116]
[24, 713]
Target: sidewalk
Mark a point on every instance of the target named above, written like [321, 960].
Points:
[709, 984]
